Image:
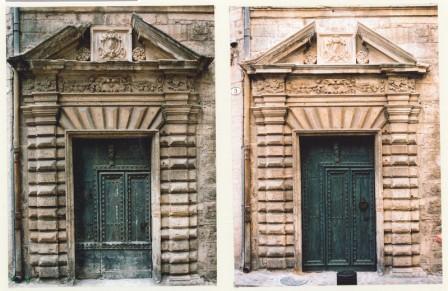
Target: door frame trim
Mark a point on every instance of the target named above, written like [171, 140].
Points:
[297, 189]
[155, 192]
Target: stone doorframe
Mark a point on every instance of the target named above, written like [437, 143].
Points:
[301, 86]
[66, 92]
[155, 209]
[297, 188]
[285, 106]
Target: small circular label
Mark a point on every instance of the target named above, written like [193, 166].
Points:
[235, 90]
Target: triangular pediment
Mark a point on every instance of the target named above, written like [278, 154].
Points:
[137, 42]
[311, 46]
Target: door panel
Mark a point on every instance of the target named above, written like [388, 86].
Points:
[338, 234]
[338, 206]
[364, 215]
[112, 208]
[138, 185]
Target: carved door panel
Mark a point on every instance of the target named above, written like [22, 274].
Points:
[338, 203]
[112, 208]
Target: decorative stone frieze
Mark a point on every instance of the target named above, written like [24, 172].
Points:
[401, 85]
[111, 83]
[334, 86]
[269, 86]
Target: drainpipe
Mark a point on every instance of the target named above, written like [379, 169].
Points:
[17, 213]
[246, 211]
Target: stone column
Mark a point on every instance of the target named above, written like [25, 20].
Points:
[46, 222]
[178, 182]
[400, 177]
[273, 188]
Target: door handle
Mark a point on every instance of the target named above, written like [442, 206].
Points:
[143, 225]
[363, 204]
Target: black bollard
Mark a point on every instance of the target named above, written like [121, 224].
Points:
[347, 278]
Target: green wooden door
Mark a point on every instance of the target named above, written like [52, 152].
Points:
[338, 203]
[112, 208]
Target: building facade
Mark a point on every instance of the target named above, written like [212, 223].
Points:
[338, 131]
[113, 136]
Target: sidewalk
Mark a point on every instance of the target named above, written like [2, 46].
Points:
[282, 278]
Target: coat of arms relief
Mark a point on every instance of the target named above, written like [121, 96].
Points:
[111, 43]
[336, 49]
[111, 46]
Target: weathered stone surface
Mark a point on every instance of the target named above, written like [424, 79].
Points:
[403, 107]
[141, 95]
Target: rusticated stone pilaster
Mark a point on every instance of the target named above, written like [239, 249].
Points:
[179, 196]
[46, 220]
[274, 211]
[400, 177]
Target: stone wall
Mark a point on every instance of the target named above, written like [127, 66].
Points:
[415, 30]
[193, 27]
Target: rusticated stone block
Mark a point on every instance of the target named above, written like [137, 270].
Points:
[176, 258]
[44, 248]
[271, 240]
[47, 201]
[46, 153]
[275, 263]
[279, 251]
[47, 237]
[402, 250]
[50, 213]
[48, 260]
[402, 261]
[178, 269]
[176, 245]
[48, 272]
[178, 198]
[47, 224]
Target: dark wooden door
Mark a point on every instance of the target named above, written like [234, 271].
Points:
[112, 208]
[338, 203]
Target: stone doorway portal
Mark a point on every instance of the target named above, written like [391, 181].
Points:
[112, 208]
[338, 203]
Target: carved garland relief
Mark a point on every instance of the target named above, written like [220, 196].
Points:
[325, 86]
[109, 84]
[138, 54]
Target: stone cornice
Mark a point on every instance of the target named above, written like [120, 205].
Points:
[200, 9]
[341, 11]
[169, 66]
[293, 69]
